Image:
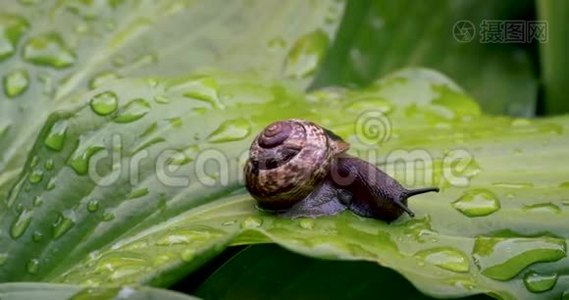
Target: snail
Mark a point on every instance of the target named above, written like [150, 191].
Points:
[299, 169]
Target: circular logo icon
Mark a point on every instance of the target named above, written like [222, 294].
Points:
[463, 31]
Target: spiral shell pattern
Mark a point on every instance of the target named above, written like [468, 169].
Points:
[287, 160]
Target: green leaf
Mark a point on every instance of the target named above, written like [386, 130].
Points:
[112, 207]
[379, 37]
[49, 291]
[53, 50]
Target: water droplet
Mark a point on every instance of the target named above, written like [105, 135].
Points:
[37, 201]
[542, 207]
[229, 223]
[538, 283]
[101, 78]
[161, 99]
[35, 176]
[445, 258]
[11, 30]
[93, 206]
[55, 139]
[108, 216]
[49, 164]
[49, 50]
[132, 111]
[306, 54]
[147, 143]
[63, 223]
[3, 258]
[33, 266]
[184, 237]
[175, 122]
[513, 185]
[37, 236]
[21, 223]
[79, 161]
[203, 89]
[50, 185]
[137, 193]
[503, 258]
[251, 222]
[228, 131]
[306, 223]
[16, 82]
[419, 229]
[477, 203]
[120, 264]
[104, 103]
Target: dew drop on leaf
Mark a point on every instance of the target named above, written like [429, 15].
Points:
[93, 206]
[55, 139]
[21, 223]
[15, 83]
[538, 283]
[100, 78]
[132, 111]
[50, 185]
[79, 160]
[161, 99]
[477, 203]
[446, 258]
[49, 50]
[503, 258]
[183, 237]
[141, 192]
[33, 266]
[203, 89]
[63, 223]
[232, 130]
[306, 54]
[252, 222]
[513, 185]
[542, 207]
[49, 164]
[229, 223]
[35, 176]
[37, 236]
[37, 201]
[108, 216]
[11, 30]
[419, 229]
[104, 103]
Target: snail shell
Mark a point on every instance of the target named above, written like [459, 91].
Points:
[300, 169]
[287, 160]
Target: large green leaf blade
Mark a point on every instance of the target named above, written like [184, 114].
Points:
[59, 48]
[510, 194]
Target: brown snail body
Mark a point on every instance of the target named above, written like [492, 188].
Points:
[299, 169]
